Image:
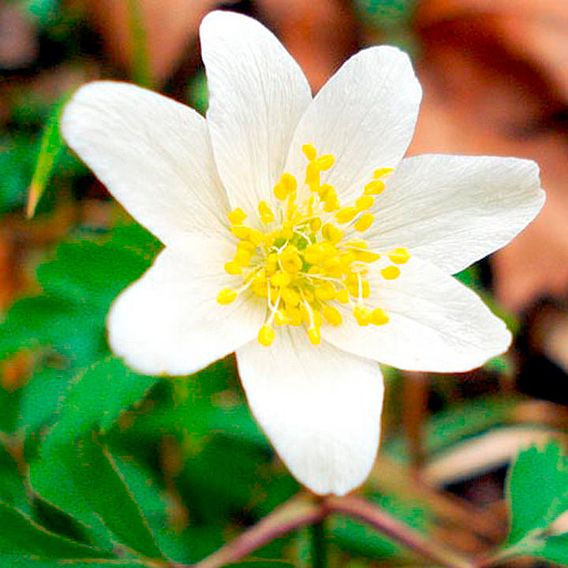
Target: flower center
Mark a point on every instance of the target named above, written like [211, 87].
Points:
[308, 256]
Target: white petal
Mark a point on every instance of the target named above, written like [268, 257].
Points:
[169, 322]
[436, 324]
[320, 407]
[257, 95]
[152, 153]
[454, 210]
[365, 115]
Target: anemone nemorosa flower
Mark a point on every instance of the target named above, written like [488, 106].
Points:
[297, 236]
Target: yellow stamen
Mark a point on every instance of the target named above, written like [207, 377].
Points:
[390, 272]
[374, 187]
[266, 335]
[346, 214]
[237, 216]
[300, 258]
[226, 296]
[266, 214]
[399, 256]
[364, 222]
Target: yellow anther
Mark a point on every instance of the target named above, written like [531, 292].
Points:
[374, 187]
[247, 246]
[332, 233]
[285, 186]
[255, 236]
[379, 317]
[290, 260]
[280, 318]
[343, 296]
[294, 316]
[233, 268]
[331, 204]
[362, 314]
[325, 162]
[313, 176]
[236, 216]
[291, 297]
[309, 151]
[399, 256]
[265, 212]
[332, 262]
[241, 232]
[346, 214]
[287, 231]
[382, 172]
[366, 255]
[364, 202]
[390, 272]
[364, 222]
[280, 279]
[259, 289]
[242, 257]
[266, 335]
[325, 291]
[313, 254]
[332, 315]
[226, 296]
[326, 191]
[289, 182]
[302, 266]
[315, 224]
[314, 335]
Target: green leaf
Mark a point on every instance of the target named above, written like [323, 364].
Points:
[96, 399]
[12, 487]
[51, 145]
[537, 489]
[555, 549]
[21, 536]
[42, 321]
[358, 538]
[83, 480]
[91, 272]
[17, 160]
[18, 562]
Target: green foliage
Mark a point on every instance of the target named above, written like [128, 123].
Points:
[17, 156]
[537, 491]
[97, 398]
[109, 499]
[360, 539]
[52, 144]
[385, 13]
[22, 537]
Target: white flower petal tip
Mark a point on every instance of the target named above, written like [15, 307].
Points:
[321, 408]
[153, 154]
[455, 210]
[365, 115]
[435, 324]
[169, 323]
[257, 95]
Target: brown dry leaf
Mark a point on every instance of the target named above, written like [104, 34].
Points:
[171, 27]
[320, 35]
[18, 37]
[491, 90]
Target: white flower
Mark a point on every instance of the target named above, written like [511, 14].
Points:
[296, 235]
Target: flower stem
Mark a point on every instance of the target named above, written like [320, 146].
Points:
[356, 507]
[319, 545]
[298, 512]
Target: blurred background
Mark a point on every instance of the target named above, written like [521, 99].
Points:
[495, 79]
